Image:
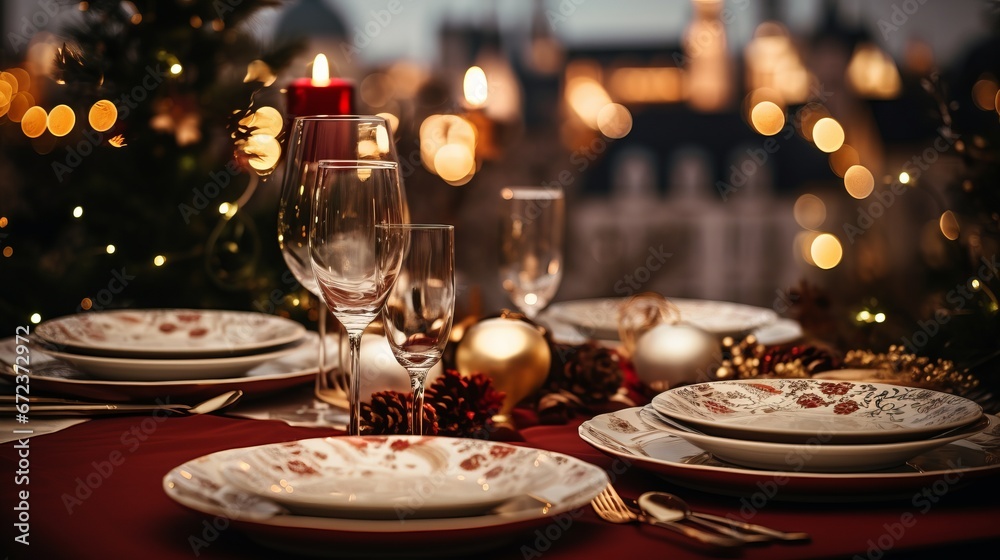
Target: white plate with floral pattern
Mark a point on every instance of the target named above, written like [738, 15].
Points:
[623, 434]
[559, 484]
[800, 410]
[169, 333]
[813, 456]
[598, 318]
[391, 478]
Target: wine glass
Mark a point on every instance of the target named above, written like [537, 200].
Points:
[531, 237]
[421, 305]
[350, 199]
[312, 139]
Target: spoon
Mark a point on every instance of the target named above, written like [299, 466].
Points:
[213, 404]
[662, 505]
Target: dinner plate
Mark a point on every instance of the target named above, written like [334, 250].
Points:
[52, 377]
[391, 478]
[201, 485]
[598, 318]
[170, 333]
[152, 369]
[814, 457]
[624, 435]
[803, 410]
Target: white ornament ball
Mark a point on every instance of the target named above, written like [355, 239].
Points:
[379, 369]
[670, 355]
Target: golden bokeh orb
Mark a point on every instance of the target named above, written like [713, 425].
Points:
[809, 211]
[828, 135]
[61, 121]
[19, 105]
[103, 115]
[859, 182]
[453, 162]
[767, 118]
[826, 251]
[33, 122]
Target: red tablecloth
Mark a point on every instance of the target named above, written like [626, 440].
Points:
[127, 515]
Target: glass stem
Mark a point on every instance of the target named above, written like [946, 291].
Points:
[321, 381]
[417, 378]
[354, 336]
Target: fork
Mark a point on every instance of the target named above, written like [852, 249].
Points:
[610, 507]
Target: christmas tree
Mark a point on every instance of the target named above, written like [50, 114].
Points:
[136, 205]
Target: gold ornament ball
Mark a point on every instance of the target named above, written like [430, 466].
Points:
[669, 355]
[513, 353]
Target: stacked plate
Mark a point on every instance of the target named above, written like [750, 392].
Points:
[168, 344]
[384, 494]
[819, 426]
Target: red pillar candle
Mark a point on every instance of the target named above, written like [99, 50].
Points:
[321, 94]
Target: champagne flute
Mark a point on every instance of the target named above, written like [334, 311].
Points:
[531, 237]
[350, 199]
[312, 139]
[420, 308]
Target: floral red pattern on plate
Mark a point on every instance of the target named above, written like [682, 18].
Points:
[168, 333]
[653, 449]
[392, 477]
[795, 410]
[559, 484]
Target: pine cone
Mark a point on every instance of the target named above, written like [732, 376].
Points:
[388, 413]
[800, 360]
[465, 406]
[590, 371]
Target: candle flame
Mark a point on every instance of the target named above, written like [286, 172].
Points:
[321, 71]
[475, 86]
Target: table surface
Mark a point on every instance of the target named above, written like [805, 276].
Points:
[127, 514]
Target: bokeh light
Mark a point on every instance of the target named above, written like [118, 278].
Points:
[33, 122]
[103, 115]
[826, 251]
[61, 121]
[859, 182]
[984, 93]
[843, 159]
[828, 135]
[767, 118]
[949, 225]
[475, 87]
[809, 211]
[454, 161]
[614, 120]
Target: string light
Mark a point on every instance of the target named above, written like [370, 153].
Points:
[159, 260]
[176, 69]
[8, 251]
[904, 177]
[78, 212]
[86, 304]
[110, 249]
[36, 318]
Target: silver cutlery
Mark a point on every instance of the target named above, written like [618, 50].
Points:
[668, 507]
[610, 507]
[50, 406]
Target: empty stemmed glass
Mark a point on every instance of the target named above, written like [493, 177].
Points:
[351, 198]
[311, 140]
[420, 308]
[531, 237]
